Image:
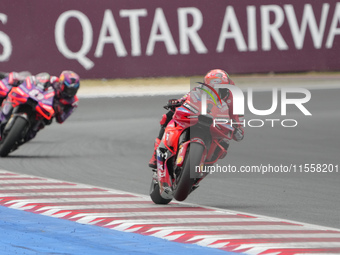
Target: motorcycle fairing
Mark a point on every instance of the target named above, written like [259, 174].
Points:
[44, 99]
[4, 89]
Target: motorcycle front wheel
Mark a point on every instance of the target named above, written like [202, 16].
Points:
[13, 135]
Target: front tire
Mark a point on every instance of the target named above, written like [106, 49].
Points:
[192, 159]
[14, 135]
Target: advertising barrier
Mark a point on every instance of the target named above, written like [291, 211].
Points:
[123, 39]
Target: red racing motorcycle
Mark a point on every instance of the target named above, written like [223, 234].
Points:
[190, 142]
[30, 107]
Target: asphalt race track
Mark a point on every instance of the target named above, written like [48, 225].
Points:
[108, 143]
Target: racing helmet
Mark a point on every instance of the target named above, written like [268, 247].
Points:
[43, 80]
[69, 83]
[218, 76]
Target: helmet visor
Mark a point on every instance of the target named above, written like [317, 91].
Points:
[70, 90]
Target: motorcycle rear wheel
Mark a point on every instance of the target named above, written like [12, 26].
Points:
[186, 178]
[14, 134]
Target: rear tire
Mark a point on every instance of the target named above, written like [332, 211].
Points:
[192, 159]
[14, 135]
[156, 196]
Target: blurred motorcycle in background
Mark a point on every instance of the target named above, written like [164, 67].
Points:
[30, 107]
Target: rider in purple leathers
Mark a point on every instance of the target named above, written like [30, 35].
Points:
[65, 100]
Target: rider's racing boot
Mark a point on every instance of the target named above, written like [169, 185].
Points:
[153, 160]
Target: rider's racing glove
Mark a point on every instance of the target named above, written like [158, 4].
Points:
[174, 103]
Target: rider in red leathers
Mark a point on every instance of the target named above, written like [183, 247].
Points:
[216, 76]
